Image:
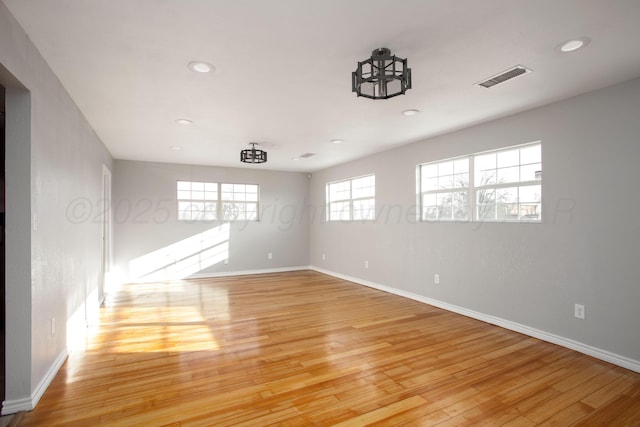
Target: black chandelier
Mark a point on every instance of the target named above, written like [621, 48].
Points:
[382, 76]
[253, 155]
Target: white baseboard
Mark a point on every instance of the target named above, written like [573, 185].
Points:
[616, 359]
[27, 404]
[247, 272]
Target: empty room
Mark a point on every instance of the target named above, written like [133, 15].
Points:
[319, 213]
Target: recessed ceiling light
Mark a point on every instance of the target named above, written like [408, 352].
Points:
[574, 44]
[184, 122]
[411, 112]
[200, 67]
[295, 158]
[337, 141]
[176, 148]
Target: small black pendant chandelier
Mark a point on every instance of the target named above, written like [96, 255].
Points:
[382, 76]
[253, 155]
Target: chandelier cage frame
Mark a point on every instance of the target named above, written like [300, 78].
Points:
[382, 76]
[253, 155]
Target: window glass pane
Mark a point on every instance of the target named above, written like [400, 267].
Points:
[364, 209]
[486, 196]
[509, 175]
[445, 168]
[339, 211]
[530, 155]
[363, 187]
[528, 172]
[339, 191]
[461, 180]
[461, 165]
[484, 162]
[504, 195]
[508, 158]
[506, 211]
[530, 193]
[430, 171]
[445, 181]
[485, 177]
[430, 184]
[430, 213]
[486, 212]
[197, 186]
[184, 185]
[530, 211]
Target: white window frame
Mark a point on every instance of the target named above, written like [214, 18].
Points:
[444, 190]
[350, 203]
[236, 207]
[220, 210]
[198, 196]
[527, 211]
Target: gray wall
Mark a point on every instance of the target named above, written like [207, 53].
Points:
[145, 218]
[54, 261]
[585, 251]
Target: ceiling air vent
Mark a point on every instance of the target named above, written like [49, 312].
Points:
[307, 155]
[516, 71]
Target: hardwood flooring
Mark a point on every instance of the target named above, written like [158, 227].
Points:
[303, 348]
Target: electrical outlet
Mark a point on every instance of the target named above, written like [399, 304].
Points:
[226, 261]
[579, 311]
[324, 257]
[269, 255]
[53, 326]
[366, 264]
[436, 279]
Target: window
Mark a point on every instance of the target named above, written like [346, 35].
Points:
[209, 201]
[197, 201]
[352, 199]
[508, 184]
[240, 202]
[500, 185]
[445, 190]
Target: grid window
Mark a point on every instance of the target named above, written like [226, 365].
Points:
[239, 202]
[352, 199]
[501, 185]
[445, 190]
[197, 201]
[508, 184]
[210, 201]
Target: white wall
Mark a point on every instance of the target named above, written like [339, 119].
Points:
[145, 221]
[54, 241]
[585, 251]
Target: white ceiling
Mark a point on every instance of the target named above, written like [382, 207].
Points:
[283, 69]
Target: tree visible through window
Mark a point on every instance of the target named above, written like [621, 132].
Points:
[500, 185]
[445, 190]
[210, 201]
[240, 202]
[509, 184]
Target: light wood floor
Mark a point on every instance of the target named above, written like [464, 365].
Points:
[303, 348]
